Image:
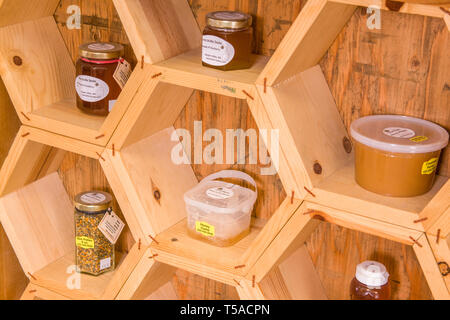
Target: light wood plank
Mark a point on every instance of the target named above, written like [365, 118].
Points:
[146, 278]
[301, 277]
[146, 167]
[34, 292]
[203, 258]
[421, 7]
[437, 211]
[311, 129]
[39, 222]
[360, 223]
[294, 234]
[47, 73]
[340, 191]
[441, 252]
[56, 275]
[308, 39]
[187, 70]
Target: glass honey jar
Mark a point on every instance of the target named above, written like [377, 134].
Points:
[227, 40]
[94, 253]
[96, 84]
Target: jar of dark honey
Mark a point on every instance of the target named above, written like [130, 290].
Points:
[371, 282]
[96, 85]
[227, 40]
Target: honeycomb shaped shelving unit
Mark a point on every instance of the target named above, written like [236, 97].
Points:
[37, 215]
[287, 92]
[39, 74]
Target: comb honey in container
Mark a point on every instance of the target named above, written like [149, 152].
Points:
[219, 212]
[397, 156]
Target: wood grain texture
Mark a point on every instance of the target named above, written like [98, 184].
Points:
[12, 277]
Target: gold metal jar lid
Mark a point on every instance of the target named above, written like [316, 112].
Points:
[93, 201]
[229, 19]
[101, 50]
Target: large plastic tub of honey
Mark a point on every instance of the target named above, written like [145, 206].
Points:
[397, 155]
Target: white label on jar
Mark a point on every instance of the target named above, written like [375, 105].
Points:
[91, 89]
[216, 51]
[93, 198]
[105, 264]
[219, 193]
[101, 46]
[398, 132]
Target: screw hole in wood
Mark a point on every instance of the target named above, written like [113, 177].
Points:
[17, 60]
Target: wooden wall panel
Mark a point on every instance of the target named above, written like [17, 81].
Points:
[404, 66]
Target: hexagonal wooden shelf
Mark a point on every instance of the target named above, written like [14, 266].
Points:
[37, 215]
[287, 92]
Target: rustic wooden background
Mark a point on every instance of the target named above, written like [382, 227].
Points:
[402, 69]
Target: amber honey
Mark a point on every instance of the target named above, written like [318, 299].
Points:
[397, 156]
[227, 40]
[394, 174]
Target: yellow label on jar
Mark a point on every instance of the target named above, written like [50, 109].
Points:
[205, 229]
[429, 166]
[85, 242]
[419, 139]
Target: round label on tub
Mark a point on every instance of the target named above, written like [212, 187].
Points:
[397, 132]
[91, 89]
[219, 193]
[216, 51]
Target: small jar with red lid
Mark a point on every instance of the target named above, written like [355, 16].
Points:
[96, 85]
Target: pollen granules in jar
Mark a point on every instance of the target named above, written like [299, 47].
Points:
[95, 254]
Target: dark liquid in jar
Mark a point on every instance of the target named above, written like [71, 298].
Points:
[104, 72]
[241, 40]
[360, 291]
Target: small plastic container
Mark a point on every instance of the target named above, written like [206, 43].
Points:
[220, 212]
[397, 155]
[371, 282]
[94, 253]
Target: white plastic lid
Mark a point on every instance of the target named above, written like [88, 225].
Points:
[399, 134]
[222, 197]
[372, 274]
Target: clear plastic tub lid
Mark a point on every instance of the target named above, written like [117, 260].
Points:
[399, 134]
[222, 197]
